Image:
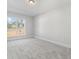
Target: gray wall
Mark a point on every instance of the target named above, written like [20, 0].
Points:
[54, 26]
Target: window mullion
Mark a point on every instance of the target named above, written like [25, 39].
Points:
[17, 26]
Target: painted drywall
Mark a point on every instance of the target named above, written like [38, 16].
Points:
[28, 26]
[54, 26]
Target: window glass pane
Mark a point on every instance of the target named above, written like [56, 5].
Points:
[21, 24]
[11, 27]
[11, 23]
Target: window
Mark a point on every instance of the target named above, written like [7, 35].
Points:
[15, 27]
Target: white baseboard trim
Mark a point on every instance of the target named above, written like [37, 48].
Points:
[20, 37]
[61, 44]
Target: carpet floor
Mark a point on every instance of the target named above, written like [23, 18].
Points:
[36, 49]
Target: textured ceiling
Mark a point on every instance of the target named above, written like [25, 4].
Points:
[43, 6]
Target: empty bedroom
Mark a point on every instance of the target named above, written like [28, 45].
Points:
[38, 29]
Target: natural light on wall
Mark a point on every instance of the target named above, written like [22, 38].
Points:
[15, 26]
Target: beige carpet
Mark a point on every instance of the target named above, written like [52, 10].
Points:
[36, 49]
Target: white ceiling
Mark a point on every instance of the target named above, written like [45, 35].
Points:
[42, 7]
